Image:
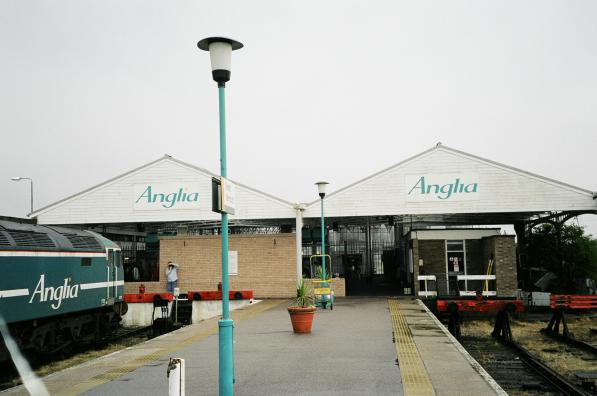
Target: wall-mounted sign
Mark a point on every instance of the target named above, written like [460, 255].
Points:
[223, 195]
[166, 196]
[232, 262]
[442, 187]
[228, 196]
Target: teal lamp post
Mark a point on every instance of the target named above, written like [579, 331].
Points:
[220, 51]
[321, 187]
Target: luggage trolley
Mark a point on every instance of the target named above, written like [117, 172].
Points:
[323, 291]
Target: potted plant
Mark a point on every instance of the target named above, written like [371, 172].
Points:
[301, 314]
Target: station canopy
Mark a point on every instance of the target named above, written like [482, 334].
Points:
[444, 186]
[441, 186]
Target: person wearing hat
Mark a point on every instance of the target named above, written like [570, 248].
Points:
[171, 276]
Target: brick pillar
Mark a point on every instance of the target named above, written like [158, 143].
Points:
[415, 257]
[504, 254]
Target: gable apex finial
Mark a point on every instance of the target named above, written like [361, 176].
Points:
[438, 144]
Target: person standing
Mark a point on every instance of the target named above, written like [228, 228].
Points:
[136, 273]
[171, 276]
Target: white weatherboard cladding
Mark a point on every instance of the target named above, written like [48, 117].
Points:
[113, 202]
[500, 189]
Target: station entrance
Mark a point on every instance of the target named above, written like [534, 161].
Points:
[369, 256]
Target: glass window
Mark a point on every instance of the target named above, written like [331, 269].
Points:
[455, 246]
[455, 256]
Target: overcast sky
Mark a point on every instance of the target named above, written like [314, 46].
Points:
[333, 90]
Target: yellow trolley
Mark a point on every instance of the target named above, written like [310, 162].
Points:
[323, 291]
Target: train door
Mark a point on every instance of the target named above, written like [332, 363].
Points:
[112, 274]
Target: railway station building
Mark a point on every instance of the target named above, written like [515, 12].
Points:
[441, 212]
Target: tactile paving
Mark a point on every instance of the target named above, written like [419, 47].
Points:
[415, 379]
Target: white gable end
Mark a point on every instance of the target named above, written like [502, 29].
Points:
[163, 191]
[444, 180]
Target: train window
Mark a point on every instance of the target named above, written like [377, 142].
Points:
[118, 259]
[86, 262]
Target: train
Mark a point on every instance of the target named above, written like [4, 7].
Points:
[58, 286]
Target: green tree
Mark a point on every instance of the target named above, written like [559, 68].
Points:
[564, 250]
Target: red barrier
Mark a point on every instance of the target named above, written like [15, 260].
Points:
[573, 301]
[147, 297]
[445, 305]
[217, 295]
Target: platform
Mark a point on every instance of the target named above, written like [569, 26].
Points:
[350, 352]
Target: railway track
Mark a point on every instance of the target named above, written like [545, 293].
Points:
[571, 340]
[516, 370]
[124, 332]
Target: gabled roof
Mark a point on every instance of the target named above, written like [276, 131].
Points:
[165, 158]
[441, 147]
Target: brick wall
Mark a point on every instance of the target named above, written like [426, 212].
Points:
[266, 265]
[415, 257]
[503, 249]
[474, 257]
[433, 253]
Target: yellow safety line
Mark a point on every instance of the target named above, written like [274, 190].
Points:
[415, 380]
[117, 372]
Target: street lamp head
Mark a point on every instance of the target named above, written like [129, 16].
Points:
[220, 50]
[321, 186]
[15, 178]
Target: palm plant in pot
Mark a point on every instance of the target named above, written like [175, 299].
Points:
[303, 310]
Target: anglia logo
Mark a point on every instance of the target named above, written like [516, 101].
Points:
[160, 196]
[55, 295]
[442, 187]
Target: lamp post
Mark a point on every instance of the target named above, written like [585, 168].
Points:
[321, 186]
[220, 51]
[18, 178]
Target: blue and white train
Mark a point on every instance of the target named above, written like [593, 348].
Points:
[58, 286]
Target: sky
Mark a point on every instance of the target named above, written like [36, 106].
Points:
[323, 90]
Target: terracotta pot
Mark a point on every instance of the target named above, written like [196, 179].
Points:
[301, 318]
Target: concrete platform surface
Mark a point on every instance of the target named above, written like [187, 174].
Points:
[350, 352]
[449, 367]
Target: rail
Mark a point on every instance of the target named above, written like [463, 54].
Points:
[557, 380]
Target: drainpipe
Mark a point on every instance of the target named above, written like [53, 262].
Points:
[299, 241]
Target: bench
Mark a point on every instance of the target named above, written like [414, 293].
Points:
[471, 293]
[425, 279]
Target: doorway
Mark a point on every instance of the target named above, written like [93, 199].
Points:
[367, 256]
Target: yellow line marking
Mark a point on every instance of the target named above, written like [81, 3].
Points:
[109, 375]
[415, 379]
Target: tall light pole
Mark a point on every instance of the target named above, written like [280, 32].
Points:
[321, 186]
[220, 51]
[18, 178]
